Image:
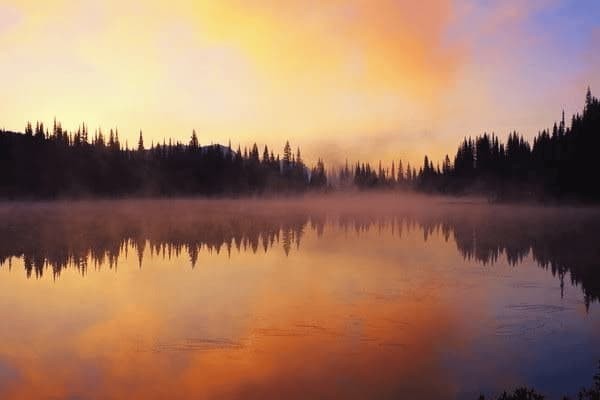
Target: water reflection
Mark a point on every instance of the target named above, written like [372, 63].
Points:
[295, 299]
[81, 235]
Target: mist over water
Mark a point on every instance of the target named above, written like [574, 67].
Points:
[372, 296]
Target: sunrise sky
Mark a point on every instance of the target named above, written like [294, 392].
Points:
[366, 79]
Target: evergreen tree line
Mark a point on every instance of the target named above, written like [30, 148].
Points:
[560, 163]
[43, 164]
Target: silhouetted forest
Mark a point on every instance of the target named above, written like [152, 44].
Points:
[83, 235]
[560, 163]
[43, 164]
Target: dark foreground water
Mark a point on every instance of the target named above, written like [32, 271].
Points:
[373, 297]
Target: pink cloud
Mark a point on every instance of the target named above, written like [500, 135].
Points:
[9, 17]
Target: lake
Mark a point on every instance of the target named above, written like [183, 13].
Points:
[354, 297]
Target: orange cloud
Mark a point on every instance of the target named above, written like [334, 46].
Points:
[415, 76]
[270, 71]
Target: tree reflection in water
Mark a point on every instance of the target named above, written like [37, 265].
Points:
[74, 235]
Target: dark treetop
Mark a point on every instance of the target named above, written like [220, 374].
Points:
[559, 164]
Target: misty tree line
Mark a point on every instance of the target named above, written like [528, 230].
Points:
[560, 163]
[43, 164]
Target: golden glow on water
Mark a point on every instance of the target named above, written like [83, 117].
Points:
[375, 313]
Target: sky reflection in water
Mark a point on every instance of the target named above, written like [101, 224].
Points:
[295, 299]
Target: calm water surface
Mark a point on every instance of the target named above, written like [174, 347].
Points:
[366, 298]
